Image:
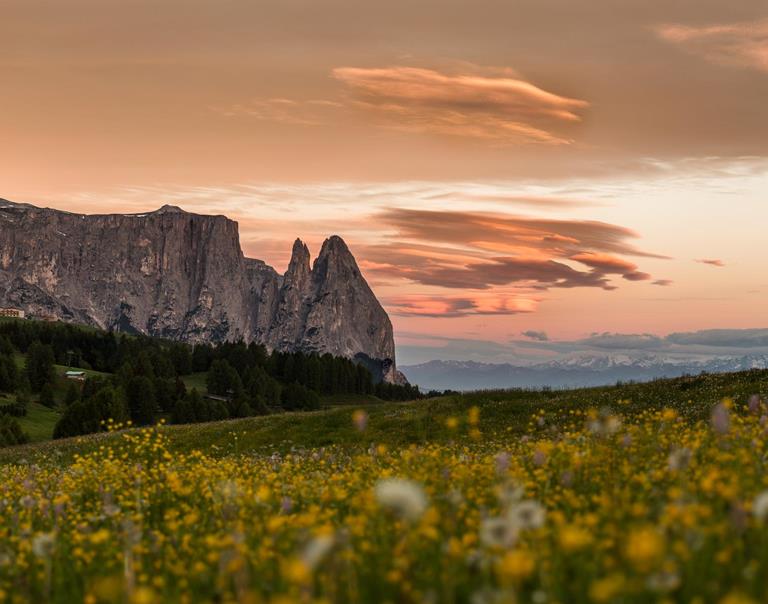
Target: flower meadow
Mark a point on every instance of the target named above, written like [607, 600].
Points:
[593, 505]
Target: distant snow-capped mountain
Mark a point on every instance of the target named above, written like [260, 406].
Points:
[576, 371]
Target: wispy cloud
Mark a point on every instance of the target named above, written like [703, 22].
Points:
[711, 262]
[500, 107]
[452, 307]
[484, 251]
[312, 112]
[478, 103]
[539, 336]
[733, 44]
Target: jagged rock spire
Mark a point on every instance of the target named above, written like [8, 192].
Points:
[183, 276]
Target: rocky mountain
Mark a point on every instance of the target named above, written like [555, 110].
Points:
[579, 371]
[183, 276]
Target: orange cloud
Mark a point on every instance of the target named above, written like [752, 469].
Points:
[451, 307]
[526, 235]
[734, 44]
[499, 108]
[607, 264]
[483, 251]
[463, 250]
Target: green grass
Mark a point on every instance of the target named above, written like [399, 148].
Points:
[39, 422]
[341, 400]
[196, 380]
[401, 424]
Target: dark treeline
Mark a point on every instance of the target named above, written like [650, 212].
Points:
[145, 382]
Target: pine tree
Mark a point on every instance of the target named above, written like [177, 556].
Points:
[72, 394]
[142, 403]
[39, 366]
[46, 396]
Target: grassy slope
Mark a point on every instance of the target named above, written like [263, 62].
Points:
[39, 422]
[196, 380]
[401, 424]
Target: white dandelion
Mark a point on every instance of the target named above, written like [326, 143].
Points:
[404, 498]
[42, 545]
[316, 550]
[498, 532]
[760, 506]
[527, 514]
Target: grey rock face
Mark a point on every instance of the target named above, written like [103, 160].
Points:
[183, 276]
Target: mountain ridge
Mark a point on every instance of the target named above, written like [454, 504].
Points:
[183, 276]
[577, 371]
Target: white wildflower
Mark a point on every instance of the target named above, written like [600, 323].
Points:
[498, 532]
[403, 498]
[760, 506]
[721, 419]
[679, 459]
[42, 545]
[528, 514]
[316, 550]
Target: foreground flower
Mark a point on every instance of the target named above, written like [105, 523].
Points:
[404, 498]
[360, 419]
[721, 419]
[760, 506]
[498, 532]
[679, 459]
[528, 514]
[644, 548]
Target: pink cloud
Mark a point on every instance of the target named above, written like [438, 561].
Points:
[483, 252]
[733, 44]
[711, 261]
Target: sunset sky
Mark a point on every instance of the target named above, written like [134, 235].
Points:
[512, 176]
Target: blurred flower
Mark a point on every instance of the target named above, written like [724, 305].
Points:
[760, 506]
[574, 538]
[316, 550]
[42, 545]
[528, 514]
[498, 532]
[644, 548]
[502, 462]
[721, 420]
[679, 459]
[360, 419]
[517, 565]
[404, 498]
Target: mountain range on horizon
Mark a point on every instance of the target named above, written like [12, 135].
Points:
[570, 372]
[183, 276]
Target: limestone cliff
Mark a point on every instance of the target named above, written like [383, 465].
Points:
[183, 276]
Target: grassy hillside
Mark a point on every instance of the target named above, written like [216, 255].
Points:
[503, 413]
[39, 422]
[630, 494]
